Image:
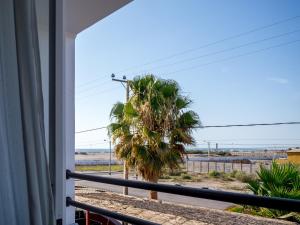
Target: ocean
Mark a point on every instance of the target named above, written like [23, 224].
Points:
[234, 149]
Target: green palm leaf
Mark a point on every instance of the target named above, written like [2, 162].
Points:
[281, 180]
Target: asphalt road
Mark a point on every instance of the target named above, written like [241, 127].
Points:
[165, 197]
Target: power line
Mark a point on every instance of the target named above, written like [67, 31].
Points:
[219, 141]
[218, 126]
[234, 57]
[91, 81]
[254, 144]
[89, 130]
[251, 125]
[224, 50]
[237, 143]
[243, 144]
[212, 43]
[89, 141]
[97, 93]
[92, 87]
[256, 139]
[200, 47]
[91, 144]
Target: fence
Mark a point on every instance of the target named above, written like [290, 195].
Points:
[196, 166]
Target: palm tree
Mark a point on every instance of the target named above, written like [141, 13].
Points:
[151, 130]
[281, 180]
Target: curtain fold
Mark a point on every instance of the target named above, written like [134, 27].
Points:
[25, 190]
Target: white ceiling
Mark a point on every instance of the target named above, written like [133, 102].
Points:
[80, 14]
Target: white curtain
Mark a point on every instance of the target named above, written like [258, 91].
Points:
[25, 190]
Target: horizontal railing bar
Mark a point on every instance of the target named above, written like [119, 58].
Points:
[224, 196]
[108, 213]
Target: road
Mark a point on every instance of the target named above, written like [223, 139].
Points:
[165, 197]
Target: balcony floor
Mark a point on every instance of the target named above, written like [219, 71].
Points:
[166, 213]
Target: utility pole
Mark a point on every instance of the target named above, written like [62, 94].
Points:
[125, 169]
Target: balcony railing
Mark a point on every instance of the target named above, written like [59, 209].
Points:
[238, 198]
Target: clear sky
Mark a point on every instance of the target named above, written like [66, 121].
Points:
[238, 60]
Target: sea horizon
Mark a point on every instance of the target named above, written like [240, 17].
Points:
[233, 149]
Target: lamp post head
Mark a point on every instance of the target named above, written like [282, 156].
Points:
[124, 77]
[113, 75]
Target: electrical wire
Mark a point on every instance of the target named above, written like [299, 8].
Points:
[234, 57]
[91, 81]
[92, 144]
[212, 43]
[89, 130]
[224, 50]
[256, 139]
[250, 125]
[210, 63]
[86, 89]
[80, 98]
[197, 48]
[217, 126]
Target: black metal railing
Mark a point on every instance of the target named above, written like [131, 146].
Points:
[108, 213]
[238, 198]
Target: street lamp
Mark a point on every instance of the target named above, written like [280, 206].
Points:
[109, 141]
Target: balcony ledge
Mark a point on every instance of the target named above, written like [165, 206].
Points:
[167, 213]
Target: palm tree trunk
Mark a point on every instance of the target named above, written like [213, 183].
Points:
[125, 174]
[153, 195]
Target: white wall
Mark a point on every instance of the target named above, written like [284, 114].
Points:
[73, 16]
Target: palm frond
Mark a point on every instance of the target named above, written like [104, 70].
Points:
[117, 111]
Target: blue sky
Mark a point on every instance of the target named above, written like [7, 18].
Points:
[233, 76]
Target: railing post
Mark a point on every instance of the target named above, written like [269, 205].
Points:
[87, 218]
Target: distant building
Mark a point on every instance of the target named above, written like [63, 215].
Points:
[293, 156]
